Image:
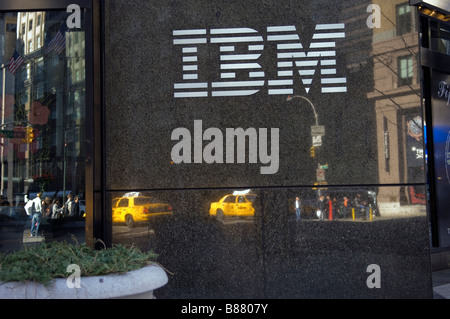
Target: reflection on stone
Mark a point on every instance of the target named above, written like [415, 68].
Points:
[238, 204]
[134, 208]
[254, 257]
[363, 85]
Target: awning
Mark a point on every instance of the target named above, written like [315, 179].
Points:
[439, 9]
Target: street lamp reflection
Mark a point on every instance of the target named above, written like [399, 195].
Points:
[290, 98]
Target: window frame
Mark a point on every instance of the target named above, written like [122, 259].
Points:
[402, 27]
[408, 80]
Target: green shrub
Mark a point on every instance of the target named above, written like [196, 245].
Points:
[47, 261]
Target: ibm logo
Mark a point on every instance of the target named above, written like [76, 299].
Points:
[240, 72]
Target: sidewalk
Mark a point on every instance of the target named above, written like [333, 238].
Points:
[441, 284]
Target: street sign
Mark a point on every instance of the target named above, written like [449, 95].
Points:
[320, 175]
[317, 130]
[12, 134]
[317, 140]
[6, 134]
[15, 135]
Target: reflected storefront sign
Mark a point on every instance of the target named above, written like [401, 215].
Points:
[441, 140]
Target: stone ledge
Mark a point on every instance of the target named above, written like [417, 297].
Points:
[134, 284]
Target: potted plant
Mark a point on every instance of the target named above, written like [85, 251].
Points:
[60, 270]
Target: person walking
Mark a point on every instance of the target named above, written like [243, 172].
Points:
[321, 206]
[345, 207]
[75, 211]
[297, 208]
[35, 208]
[56, 209]
[68, 205]
[329, 207]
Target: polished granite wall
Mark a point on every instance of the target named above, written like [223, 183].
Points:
[197, 69]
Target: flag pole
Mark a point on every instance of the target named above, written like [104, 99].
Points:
[3, 122]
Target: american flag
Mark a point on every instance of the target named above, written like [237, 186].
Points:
[15, 62]
[58, 43]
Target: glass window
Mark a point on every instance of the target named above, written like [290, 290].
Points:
[403, 19]
[440, 36]
[42, 124]
[405, 70]
[230, 199]
[123, 203]
[11, 27]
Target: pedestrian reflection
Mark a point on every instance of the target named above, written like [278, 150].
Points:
[335, 205]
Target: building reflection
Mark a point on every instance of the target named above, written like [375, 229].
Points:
[46, 95]
[396, 95]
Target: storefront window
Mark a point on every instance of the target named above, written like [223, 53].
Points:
[42, 147]
[440, 36]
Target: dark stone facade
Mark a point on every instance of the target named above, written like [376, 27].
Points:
[269, 255]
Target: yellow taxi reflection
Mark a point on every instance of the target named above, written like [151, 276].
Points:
[135, 209]
[233, 205]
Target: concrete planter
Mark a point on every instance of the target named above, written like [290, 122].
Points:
[138, 284]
